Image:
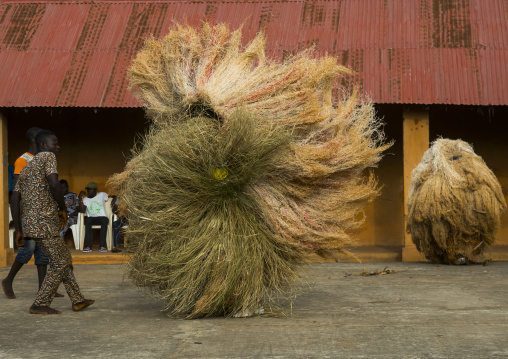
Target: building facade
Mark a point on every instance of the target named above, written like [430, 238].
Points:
[431, 67]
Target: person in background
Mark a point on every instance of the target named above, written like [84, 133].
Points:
[39, 212]
[72, 203]
[31, 247]
[26, 157]
[10, 176]
[117, 225]
[94, 204]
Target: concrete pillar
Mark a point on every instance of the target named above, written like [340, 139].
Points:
[6, 253]
[416, 142]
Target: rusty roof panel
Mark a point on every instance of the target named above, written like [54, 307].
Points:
[423, 51]
[38, 83]
[59, 28]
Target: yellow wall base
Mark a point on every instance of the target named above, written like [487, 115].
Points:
[79, 257]
[364, 254]
[411, 254]
[6, 257]
[497, 253]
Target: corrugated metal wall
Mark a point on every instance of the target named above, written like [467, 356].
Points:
[404, 51]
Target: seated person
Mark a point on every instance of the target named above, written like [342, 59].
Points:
[94, 205]
[10, 175]
[72, 203]
[117, 225]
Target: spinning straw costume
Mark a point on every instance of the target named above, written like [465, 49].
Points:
[454, 204]
[247, 168]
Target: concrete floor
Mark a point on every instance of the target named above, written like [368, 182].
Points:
[421, 311]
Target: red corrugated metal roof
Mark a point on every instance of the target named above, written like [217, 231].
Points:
[419, 51]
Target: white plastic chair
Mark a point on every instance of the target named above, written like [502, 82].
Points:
[75, 228]
[109, 236]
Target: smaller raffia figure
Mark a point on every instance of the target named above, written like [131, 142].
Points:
[454, 204]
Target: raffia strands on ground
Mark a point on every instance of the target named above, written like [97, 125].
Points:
[454, 203]
[246, 169]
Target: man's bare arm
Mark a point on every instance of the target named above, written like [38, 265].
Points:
[56, 191]
[15, 180]
[82, 207]
[16, 218]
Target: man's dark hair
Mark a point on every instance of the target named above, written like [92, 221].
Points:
[62, 181]
[42, 137]
[31, 133]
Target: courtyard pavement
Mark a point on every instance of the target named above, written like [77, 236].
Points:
[419, 311]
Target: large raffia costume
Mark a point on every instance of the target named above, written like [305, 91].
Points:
[246, 169]
[454, 204]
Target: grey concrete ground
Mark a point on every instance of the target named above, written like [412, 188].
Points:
[422, 311]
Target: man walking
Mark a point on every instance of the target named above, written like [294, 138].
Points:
[31, 248]
[39, 212]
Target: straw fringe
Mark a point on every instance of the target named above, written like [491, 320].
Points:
[247, 168]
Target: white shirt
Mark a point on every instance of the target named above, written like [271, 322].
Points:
[95, 206]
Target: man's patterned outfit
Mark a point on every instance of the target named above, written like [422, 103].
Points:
[39, 221]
